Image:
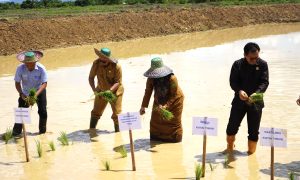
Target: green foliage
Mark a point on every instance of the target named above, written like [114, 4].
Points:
[52, 146]
[167, 115]
[32, 98]
[63, 139]
[108, 96]
[58, 7]
[39, 148]
[256, 98]
[9, 5]
[8, 135]
[122, 150]
[291, 175]
[198, 171]
[106, 165]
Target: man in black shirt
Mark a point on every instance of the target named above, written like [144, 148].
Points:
[248, 75]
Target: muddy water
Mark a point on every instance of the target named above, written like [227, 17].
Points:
[202, 62]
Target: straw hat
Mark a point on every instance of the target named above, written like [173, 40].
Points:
[105, 53]
[158, 69]
[29, 56]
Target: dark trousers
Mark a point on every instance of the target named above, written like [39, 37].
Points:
[253, 120]
[42, 110]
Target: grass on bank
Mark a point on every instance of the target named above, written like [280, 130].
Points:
[9, 14]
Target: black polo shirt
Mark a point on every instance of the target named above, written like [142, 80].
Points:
[249, 78]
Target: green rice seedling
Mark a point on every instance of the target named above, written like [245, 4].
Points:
[167, 115]
[226, 161]
[106, 165]
[39, 148]
[256, 98]
[198, 171]
[122, 150]
[8, 135]
[212, 167]
[31, 99]
[63, 139]
[291, 175]
[52, 146]
[107, 95]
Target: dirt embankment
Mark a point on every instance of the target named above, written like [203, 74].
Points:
[43, 33]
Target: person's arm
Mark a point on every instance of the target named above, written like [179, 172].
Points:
[18, 79]
[117, 79]
[44, 79]
[19, 89]
[92, 75]
[264, 79]
[234, 78]
[235, 82]
[147, 95]
[42, 88]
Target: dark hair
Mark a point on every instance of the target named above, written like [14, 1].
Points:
[251, 47]
[162, 88]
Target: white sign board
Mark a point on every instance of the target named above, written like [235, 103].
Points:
[273, 137]
[129, 121]
[22, 115]
[205, 126]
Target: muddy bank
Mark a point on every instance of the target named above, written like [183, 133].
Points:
[43, 33]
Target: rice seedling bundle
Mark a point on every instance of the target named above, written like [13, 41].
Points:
[31, 99]
[167, 115]
[256, 98]
[107, 95]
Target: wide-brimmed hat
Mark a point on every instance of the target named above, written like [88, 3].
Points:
[158, 69]
[29, 56]
[105, 53]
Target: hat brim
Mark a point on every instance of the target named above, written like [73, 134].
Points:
[158, 72]
[100, 54]
[37, 56]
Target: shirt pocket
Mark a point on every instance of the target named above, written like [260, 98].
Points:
[24, 77]
[110, 76]
[36, 77]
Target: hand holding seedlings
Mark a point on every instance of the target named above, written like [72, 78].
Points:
[107, 95]
[31, 98]
[243, 95]
[256, 98]
[167, 115]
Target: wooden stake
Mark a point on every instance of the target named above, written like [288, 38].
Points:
[204, 151]
[25, 142]
[132, 151]
[272, 162]
[204, 156]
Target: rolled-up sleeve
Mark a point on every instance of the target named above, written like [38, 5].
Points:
[44, 75]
